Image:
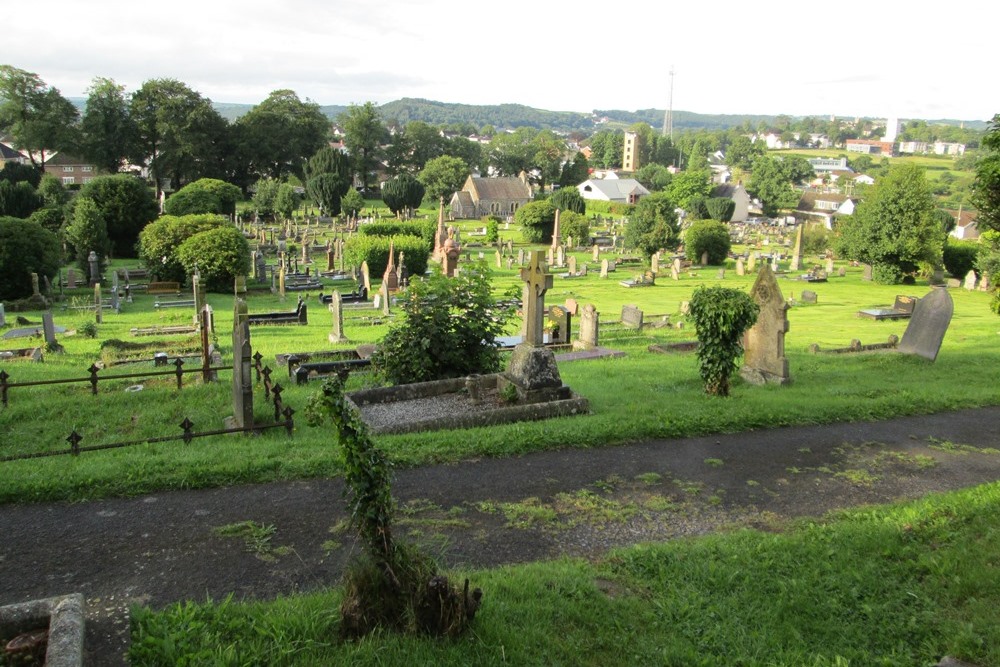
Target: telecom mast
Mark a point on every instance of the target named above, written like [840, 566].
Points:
[668, 117]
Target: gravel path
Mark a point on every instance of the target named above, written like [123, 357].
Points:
[167, 547]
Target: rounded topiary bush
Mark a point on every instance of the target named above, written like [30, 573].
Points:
[25, 248]
[707, 236]
[220, 255]
[959, 257]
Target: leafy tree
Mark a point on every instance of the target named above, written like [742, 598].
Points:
[720, 208]
[352, 203]
[443, 176]
[741, 152]
[333, 162]
[206, 195]
[450, 330]
[126, 205]
[425, 144]
[159, 241]
[575, 171]
[108, 133]
[264, 193]
[707, 236]
[510, 154]
[655, 177]
[37, 116]
[325, 190]
[51, 190]
[88, 232]
[797, 169]
[18, 200]
[50, 218]
[220, 255]
[278, 135]
[697, 208]
[286, 200]
[689, 183]
[548, 157]
[537, 220]
[772, 186]
[988, 262]
[894, 229]
[569, 199]
[402, 194]
[21, 173]
[653, 225]
[721, 315]
[575, 225]
[25, 248]
[986, 189]
[365, 133]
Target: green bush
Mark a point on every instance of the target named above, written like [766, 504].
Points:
[390, 228]
[492, 224]
[709, 236]
[375, 250]
[569, 199]
[653, 225]
[720, 315]
[537, 220]
[959, 257]
[25, 248]
[815, 239]
[126, 205]
[575, 225]
[450, 329]
[612, 208]
[87, 233]
[720, 208]
[18, 200]
[220, 254]
[159, 241]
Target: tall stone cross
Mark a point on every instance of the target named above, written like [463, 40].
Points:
[536, 282]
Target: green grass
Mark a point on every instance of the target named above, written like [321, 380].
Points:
[901, 585]
[642, 395]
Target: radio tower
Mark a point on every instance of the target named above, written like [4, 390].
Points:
[668, 117]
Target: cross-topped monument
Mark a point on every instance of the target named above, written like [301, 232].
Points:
[536, 282]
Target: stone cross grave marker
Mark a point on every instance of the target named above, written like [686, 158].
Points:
[536, 283]
[764, 359]
[928, 325]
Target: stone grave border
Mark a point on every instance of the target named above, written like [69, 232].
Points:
[64, 618]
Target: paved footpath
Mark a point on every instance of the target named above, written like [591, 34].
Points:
[165, 547]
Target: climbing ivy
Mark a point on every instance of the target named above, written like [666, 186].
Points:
[721, 315]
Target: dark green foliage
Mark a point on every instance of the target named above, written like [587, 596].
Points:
[25, 248]
[720, 208]
[352, 203]
[492, 228]
[816, 239]
[575, 225]
[450, 330]
[653, 225]
[959, 257]
[655, 177]
[569, 199]
[87, 232]
[15, 172]
[126, 205]
[697, 208]
[537, 219]
[443, 175]
[286, 200]
[375, 250]
[324, 189]
[575, 172]
[986, 189]
[402, 193]
[159, 241]
[220, 255]
[51, 219]
[720, 315]
[397, 228]
[18, 200]
[206, 195]
[264, 193]
[708, 236]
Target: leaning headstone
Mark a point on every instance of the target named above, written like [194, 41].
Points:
[970, 280]
[631, 317]
[49, 328]
[928, 325]
[337, 315]
[764, 359]
[589, 326]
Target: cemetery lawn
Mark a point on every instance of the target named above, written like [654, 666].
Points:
[640, 396]
[892, 585]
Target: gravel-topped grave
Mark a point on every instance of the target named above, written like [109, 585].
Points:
[448, 404]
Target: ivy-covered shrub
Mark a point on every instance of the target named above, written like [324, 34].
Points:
[220, 254]
[375, 250]
[449, 330]
[709, 236]
[25, 248]
[721, 315]
[959, 257]
[159, 241]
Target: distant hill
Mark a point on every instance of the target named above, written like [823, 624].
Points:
[511, 116]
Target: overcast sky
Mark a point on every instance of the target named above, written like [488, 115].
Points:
[876, 59]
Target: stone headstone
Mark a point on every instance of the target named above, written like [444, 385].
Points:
[829, 265]
[571, 265]
[589, 326]
[984, 283]
[49, 329]
[499, 258]
[556, 237]
[242, 365]
[808, 296]
[595, 252]
[95, 267]
[337, 315]
[721, 274]
[867, 274]
[366, 277]
[386, 300]
[259, 267]
[537, 281]
[560, 256]
[604, 268]
[752, 263]
[841, 272]
[970, 280]
[796, 263]
[631, 317]
[572, 306]
[71, 278]
[654, 263]
[740, 268]
[520, 257]
[550, 256]
[764, 359]
[281, 279]
[704, 258]
[674, 273]
[98, 303]
[928, 325]
[3, 316]
[562, 331]
[34, 285]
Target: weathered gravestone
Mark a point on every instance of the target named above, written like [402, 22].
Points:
[3, 316]
[808, 296]
[242, 361]
[532, 368]
[572, 306]
[704, 258]
[366, 277]
[98, 303]
[49, 328]
[970, 280]
[867, 274]
[740, 268]
[589, 327]
[520, 257]
[764, 359]
[721, 274]
[752, 263]
[71, 278]
[337, 315]
[829, 265]
[95, 270]
[595, 252]
[797, 251]
[928, 325]
[571, 265]
[984, 283]
[674, 273]
[604, 268]
[631, 317]
[654, 263]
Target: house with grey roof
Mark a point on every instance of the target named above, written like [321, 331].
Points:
[623, 190]
[740, 197]
[491, 196]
